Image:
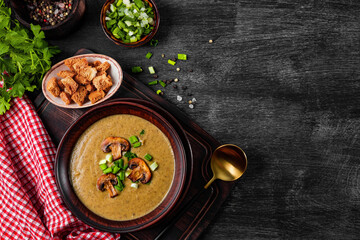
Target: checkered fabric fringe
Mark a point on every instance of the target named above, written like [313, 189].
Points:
[30, 203]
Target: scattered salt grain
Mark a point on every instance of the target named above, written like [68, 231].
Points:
[179, 98]
[191, 106]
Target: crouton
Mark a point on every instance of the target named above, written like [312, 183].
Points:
[80, 95]
[65, 97]
[90, 87]
[64, 74]
[103, 67]
[81, 80]
[80, 63]
[53, 87]
[100, 73]
[102, 82]
[60, 84]
[96, 96]
[70, 85]
[96, 63]
[88, 72]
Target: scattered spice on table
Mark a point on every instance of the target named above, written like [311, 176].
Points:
[47, 12]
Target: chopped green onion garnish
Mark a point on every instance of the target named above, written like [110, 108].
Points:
[118, 188]
[133, 139]
[148, 55]
[153, 83]
[121, 163]
[158, 92]
[104, 161]
[127, 173]
[162, 83]
[109, 157]
[115, 170]
[142, 132]
[138, 144]
[122, 175]
[108, 170]
[125, 166]
[171, 62]
[103, 166]
[154, 166]
[182, 56]
[136, 69]
[151, 70]
[130, 155]
[134, 185]
[148, 157]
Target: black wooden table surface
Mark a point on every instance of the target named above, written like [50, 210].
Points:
[281, 80]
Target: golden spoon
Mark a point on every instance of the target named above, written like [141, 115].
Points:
[228, 163]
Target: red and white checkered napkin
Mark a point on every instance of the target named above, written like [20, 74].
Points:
[30, 203]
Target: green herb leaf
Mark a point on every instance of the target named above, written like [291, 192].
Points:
[24, 55]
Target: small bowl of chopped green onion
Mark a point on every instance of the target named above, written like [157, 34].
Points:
[130, 23]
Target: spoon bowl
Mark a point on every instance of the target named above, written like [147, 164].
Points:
[228, 163]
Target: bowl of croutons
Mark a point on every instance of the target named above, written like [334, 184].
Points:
[82, 81]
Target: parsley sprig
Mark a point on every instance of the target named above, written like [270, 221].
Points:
[24, 58]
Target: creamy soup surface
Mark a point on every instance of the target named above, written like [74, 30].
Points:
[131, 203]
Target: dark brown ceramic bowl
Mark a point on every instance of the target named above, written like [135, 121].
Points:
[141, 109]
[142, 41]
[58, 30]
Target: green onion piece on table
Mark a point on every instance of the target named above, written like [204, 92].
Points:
[151, 70]
[148, 157]
[103, 166]
[148, 55]
[136, 145]
[108, 170]
[153, 83]
[154, 166]
[133, 139]
[136, 69]
[162, 83]
[154, 42]
[171, 62]
[142, 132]
[158, 92]
[182, 56]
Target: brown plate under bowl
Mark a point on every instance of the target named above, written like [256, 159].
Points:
[61, 29]
[143, 40]
[62, 164]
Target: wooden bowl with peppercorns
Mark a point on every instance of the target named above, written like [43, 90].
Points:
[56, 18]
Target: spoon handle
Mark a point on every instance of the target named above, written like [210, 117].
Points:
[210, 182]
[181, 213]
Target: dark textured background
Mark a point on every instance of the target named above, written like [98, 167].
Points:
[281, 80]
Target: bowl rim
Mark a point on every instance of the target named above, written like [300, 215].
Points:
[94, 55]
[160, 211]
[139, 43]
[75, 5]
